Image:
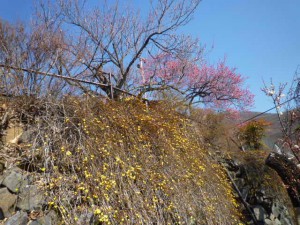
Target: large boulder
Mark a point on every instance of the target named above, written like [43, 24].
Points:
[260, 213]
[20, 218]
[14, 179]
[30, 198]
[7, 202]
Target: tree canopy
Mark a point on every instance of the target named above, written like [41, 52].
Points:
[116, 45]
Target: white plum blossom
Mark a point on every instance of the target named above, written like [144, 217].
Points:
[271, 92]
[281, 95]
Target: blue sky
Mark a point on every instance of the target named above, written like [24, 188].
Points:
[259, 37]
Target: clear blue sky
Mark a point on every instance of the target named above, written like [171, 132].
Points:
[259, 37]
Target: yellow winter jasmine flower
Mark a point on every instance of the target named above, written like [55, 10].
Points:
[97, 211]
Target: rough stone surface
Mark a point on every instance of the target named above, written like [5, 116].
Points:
[30, 198]
[12, 134]
[20, 218]
[259, 213]
[86, 218]
[49, 219]
[275, 210]
[277, 222]
[285, 221]
[272, 217]
[272, 222]
[35, 222]
[1, 168]
[25, 137]
[267, 206]
[298, 214]
[13, 179]
[268, 221]
[7, 201]
[2, 217]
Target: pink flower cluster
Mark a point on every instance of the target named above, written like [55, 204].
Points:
[216, 86]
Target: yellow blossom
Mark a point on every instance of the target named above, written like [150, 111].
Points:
[97, 211]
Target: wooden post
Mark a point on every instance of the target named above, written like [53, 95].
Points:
[111, 87]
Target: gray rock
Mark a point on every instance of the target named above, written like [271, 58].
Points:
[2, 217]
[35, 222]
[50, 218]
[30, 198]
[13, 179]
[26, 136]
[2, 167]
[245, 191]
[273, 222]
[20, 218]
[297, 211]
[268, 222]
[277, 222]
[272, 217]
[240, 182]
[267, 202]
[259, 213]
[275, 210]
[86, 218]
[7, 201]
[286, 221]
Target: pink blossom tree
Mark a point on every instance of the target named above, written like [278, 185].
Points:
[103, 43]
[216, 86]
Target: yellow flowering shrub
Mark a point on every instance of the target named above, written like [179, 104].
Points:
[129, 164]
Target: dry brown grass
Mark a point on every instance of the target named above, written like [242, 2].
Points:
[124, 162]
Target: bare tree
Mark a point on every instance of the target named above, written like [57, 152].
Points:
[37, 48]
[107, 44]
[111, 38]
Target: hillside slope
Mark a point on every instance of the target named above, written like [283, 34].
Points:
[121, 162]
[94, 161]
